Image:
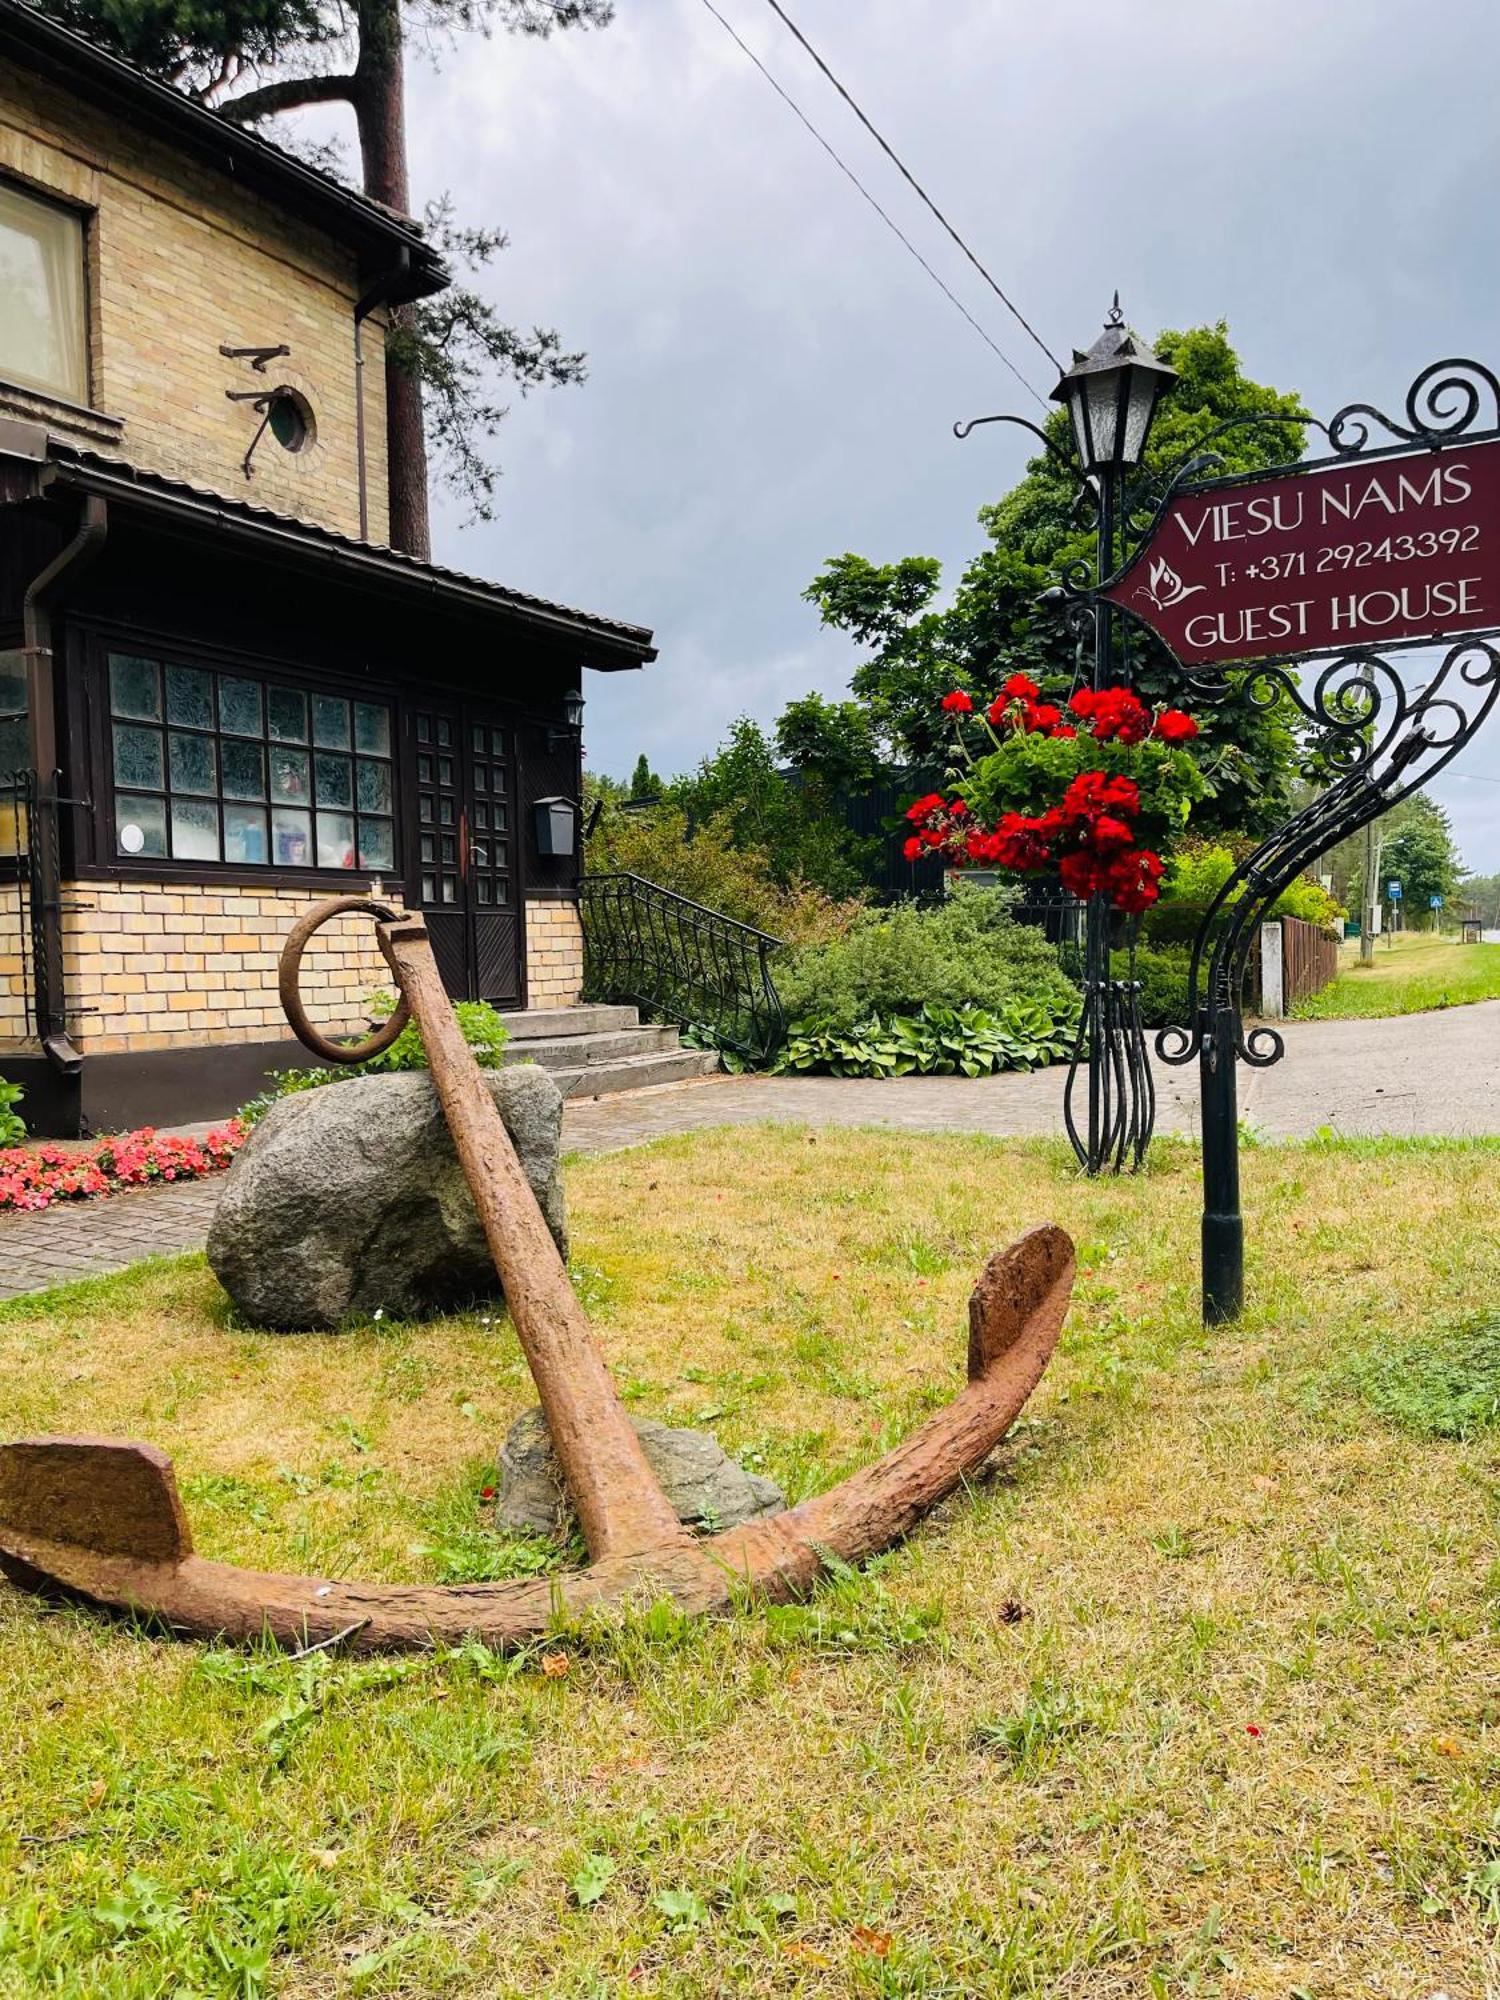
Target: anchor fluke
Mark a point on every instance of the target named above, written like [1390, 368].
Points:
[101, 1519]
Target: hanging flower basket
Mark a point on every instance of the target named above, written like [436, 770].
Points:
[1092, 793]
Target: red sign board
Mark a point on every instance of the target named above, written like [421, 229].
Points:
[1354, 554]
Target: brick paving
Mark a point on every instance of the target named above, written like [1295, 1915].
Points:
[1422, 1074]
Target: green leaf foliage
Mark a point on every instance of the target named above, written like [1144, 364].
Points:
[965, 952]
[12, 1124]
[998, 623]
[480, 1024]
[937, 1041]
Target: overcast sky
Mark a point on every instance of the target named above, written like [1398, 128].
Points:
[773, 380]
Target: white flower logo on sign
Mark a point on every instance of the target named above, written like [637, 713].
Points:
[1165, 587]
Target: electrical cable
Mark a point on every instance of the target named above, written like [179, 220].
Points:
[901, 167]
[894, 228]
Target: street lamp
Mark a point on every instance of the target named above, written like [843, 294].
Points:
[1111, 393]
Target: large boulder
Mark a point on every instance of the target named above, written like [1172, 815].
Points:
[349, 1199]
[708, 1489]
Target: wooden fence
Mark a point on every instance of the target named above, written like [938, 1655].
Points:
[1309, 960]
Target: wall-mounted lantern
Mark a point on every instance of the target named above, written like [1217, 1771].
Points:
[572, 723]
[556, 824]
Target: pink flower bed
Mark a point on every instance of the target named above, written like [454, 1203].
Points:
[37, 1176]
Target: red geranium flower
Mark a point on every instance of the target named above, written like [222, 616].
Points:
[958, 703]
[1174, 725]
[913, 849]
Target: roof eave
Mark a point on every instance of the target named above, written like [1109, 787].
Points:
[603, 647]
[80, 67]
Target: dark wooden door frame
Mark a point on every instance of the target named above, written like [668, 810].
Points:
[453, 795]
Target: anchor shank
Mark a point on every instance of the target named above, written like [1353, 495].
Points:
[621, 1506]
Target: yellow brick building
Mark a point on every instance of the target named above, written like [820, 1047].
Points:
[222, 696]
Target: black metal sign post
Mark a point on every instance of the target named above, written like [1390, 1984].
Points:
[1294, 585]
[1298, 585]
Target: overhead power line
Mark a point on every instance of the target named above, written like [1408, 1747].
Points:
[890, 224]
[910, 178]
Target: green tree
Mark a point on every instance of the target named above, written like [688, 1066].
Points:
[831, 745]
[1484, 892]
[442, 353]
[743, 789]
[1417, 849]
[1000, 621]
[644, 783]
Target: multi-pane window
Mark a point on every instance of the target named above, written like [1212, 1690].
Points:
[219, 767]
[43, 335]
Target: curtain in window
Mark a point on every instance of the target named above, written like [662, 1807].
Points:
[42, 344]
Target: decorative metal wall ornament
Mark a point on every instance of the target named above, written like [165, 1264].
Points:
[1334, 595]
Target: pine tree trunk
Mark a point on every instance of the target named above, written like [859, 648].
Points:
[380, 109]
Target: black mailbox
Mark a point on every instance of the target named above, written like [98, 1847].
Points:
[556, 822]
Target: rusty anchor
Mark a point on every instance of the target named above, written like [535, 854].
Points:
[101, 1520]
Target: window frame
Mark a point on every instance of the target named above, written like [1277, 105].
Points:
[106, 863]
[86, 218]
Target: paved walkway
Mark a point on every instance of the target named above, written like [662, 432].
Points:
[1421, 1074]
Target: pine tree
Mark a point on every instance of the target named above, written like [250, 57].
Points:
[217, 50]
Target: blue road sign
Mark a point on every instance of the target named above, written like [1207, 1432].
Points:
[1393, 891]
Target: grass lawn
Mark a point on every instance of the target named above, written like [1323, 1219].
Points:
[1413, 972]
[1197, 1694]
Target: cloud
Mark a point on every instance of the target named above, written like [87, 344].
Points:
[773, 380]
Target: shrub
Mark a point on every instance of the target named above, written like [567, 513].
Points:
[12, 1124]
[938, 1041]
[1163, 976]
[705, 865]
[481, 1026]
[1195, 879]
[966, 952]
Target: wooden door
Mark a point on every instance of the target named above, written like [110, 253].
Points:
[490, 845]
[462, 873]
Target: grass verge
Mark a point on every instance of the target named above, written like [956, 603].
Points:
[1413, 973]
[1194, 1694]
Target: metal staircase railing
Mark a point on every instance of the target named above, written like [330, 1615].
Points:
[651, 948]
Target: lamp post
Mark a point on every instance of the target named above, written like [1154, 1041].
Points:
[1111, 393]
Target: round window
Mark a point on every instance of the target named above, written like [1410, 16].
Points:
[290, 419]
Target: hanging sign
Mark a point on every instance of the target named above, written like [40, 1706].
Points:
[1354, 553]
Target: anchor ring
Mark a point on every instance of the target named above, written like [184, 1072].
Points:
[300, 937]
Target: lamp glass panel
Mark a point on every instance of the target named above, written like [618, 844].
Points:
[1142, 393]
[1102, 392]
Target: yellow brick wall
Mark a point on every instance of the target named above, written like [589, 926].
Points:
[181, 262]
[554, 954]
[176, 966]
[15, 946]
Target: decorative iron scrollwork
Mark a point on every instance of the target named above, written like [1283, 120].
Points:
[1441, 405]
[1385, 741]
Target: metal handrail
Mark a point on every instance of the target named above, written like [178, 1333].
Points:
[649, 947]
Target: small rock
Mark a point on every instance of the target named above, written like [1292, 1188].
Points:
[348, 1202]
[707, 1488]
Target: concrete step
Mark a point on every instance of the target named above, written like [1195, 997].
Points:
[557, 1052]
[635, 1072]
[547, 1023]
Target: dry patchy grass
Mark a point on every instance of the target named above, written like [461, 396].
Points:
[1196, 1694]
